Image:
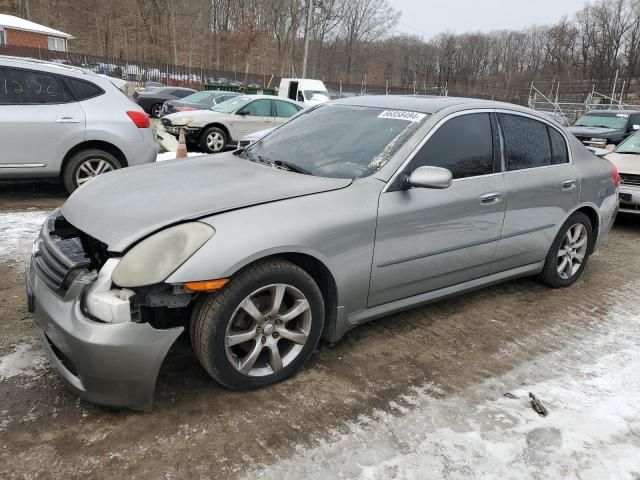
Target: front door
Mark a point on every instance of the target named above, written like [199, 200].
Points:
[258, 115]
[428, 239]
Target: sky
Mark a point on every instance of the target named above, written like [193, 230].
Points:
[430, 17]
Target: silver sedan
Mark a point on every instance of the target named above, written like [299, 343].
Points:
[351, 211]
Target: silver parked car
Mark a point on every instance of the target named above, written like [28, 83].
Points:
[224, 124]
[353, 210]
[67, 122]
[626, 158]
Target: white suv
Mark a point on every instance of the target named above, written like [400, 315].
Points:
[67, 122]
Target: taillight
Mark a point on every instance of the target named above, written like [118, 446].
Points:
[615, 176]
[141, 119]
[184, 109]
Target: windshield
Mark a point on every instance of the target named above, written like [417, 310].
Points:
[230, 106]
[197, 97]
[339, 141]
[316, 95]
[616, 122]
[630, 145]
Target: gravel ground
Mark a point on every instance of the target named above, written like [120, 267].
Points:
[414, 395]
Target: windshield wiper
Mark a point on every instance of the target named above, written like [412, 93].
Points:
[288, 165]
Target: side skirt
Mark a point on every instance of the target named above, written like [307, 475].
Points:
[368, 314]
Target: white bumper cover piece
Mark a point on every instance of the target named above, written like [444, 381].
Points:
[106, 303]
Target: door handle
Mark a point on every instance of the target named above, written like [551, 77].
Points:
[490, 198]
[67, 120]
[568, 185]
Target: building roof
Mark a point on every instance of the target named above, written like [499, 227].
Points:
[17, 23]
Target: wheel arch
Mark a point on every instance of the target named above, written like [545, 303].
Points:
[591, 212]
[221, 126]
[97, 145]
[321, 274]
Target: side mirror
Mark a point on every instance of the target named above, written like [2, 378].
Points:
[430, 177]
[242, 112]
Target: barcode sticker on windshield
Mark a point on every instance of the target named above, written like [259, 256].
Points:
[622, 115]
[402, 115]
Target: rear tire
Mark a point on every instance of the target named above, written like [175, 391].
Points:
[86, 165]
[270, 306]
[213, 140]
[569, 252]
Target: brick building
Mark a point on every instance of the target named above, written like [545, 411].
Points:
[18, 32]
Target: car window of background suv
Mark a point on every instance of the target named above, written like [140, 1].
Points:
[526, 142]
[463, 145]
[29, 87]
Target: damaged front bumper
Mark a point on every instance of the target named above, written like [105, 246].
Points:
[114, 364]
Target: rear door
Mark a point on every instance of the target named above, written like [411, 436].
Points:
[427, 239]
[542, 186]
[41, 122]
[284, 111]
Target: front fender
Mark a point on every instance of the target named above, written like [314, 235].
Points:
[337, 228]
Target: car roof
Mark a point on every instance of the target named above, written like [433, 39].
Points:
[416, 103]
[53, 67]
[611, 113]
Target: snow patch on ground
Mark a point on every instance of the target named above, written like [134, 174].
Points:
[18, 230]
[162, 157]
[592, 392]
[27, 359]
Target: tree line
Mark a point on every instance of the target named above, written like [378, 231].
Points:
[350, 41]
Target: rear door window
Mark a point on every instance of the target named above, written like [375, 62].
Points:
[526, 142]
[30, 87]
[463, 145]
[285, 109]
[82, 89]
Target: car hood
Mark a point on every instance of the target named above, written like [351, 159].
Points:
[182, 103]
[625, 162]
[593, 131]
[122, 207]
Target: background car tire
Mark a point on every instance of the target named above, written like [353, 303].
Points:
[156, 110]
[206, 143]
[213, 313]
[93, 160]
[550, 274]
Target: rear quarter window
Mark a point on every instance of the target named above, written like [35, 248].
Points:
[559, 153]
[82, 89]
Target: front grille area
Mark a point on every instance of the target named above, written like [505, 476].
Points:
[629, 179]
[63, 251]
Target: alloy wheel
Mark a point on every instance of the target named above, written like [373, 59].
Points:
[156, 111]
[572, 251]
[215, 141]
[91, 168]
[268, 330]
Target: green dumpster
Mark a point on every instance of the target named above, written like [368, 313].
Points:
[222, 87]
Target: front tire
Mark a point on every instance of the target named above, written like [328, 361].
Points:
[260, 328]
[569, 252]
[85, 166]
[213, 140]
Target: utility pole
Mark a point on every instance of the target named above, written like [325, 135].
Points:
[306, 38]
